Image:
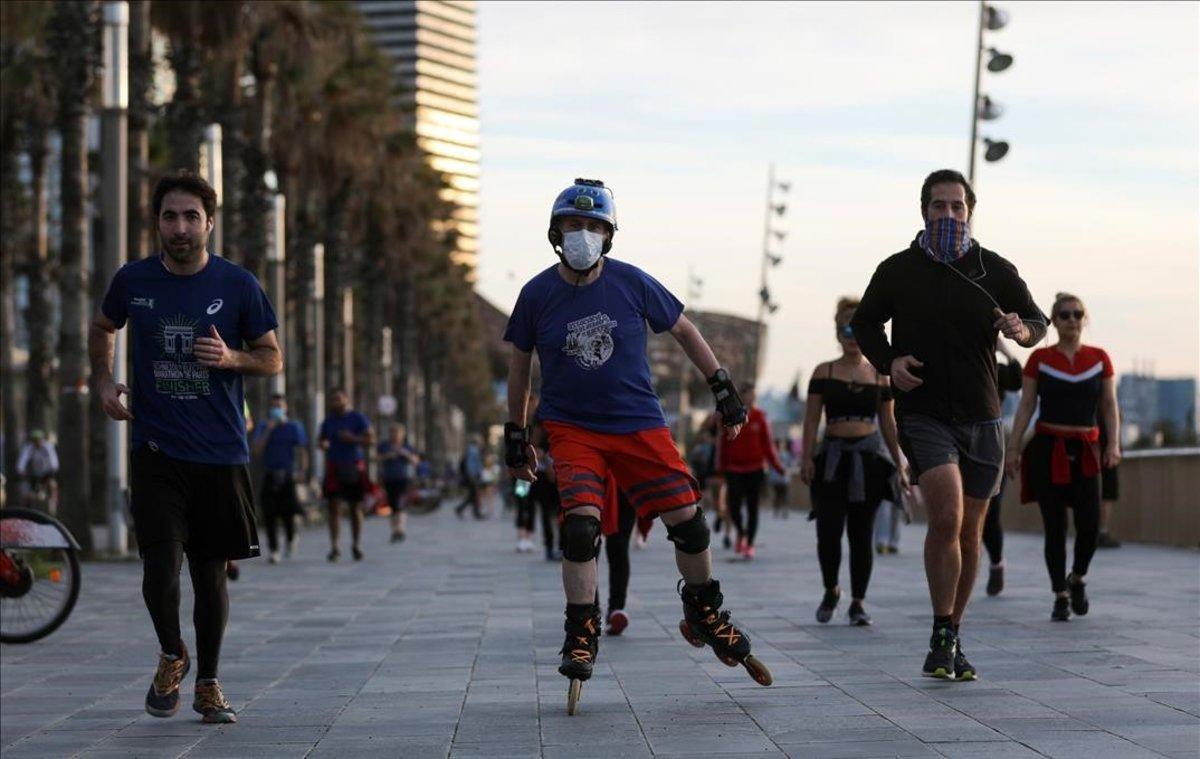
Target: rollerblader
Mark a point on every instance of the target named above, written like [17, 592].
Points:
[586, 316]
[197, 324]
[947, 297]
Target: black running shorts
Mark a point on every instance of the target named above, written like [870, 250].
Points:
[209, 508]
[976, 447]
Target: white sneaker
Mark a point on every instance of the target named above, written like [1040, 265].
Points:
[274, 557]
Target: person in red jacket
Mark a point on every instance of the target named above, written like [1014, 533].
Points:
[742, 461]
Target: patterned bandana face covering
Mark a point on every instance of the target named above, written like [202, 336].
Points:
[946, 239]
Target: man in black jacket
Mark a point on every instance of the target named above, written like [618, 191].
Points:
[946, 298]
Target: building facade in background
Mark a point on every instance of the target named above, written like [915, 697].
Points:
[1156, 411]
[432, 46]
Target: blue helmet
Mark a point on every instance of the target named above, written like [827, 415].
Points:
[587, 197]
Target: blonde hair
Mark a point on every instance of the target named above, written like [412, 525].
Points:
[1061, 298]
[845, 309]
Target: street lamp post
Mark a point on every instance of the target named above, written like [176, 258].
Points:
[318, 357]
[114, 129]
[213, 172]
[276, 259]
[982, 107]
[767, 306]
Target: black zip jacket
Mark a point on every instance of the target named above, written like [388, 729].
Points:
[942, 314]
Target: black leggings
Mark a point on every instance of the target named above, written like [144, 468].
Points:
[616, 549]
[160, 589]
[858, 521]
[745, 486]
[1083, 497]
[993, 532]
[525, 509]
[545, 494]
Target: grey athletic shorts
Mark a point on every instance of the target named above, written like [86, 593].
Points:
[976, 447]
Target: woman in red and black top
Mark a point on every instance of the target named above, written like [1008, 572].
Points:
[741, 461]
[1073, 385]
[854, 467]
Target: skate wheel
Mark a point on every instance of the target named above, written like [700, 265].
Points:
[757, 670]
[728, 661]
[691, 637]
[573, 695]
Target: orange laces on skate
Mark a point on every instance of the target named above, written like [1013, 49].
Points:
[583, 655]
[720, 626]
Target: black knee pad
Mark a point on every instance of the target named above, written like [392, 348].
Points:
[690, 536]
[580, 537]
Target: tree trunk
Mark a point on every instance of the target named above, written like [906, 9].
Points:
[9, 232]
[141, 77]
[76, 24]
[335, 256]
[39, 373]
[183, 114]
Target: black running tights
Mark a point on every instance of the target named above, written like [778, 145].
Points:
[993, 532]
[858, 521]
[616, 550]
[745, 486]
[1083, 497]
[161, 563]
[525, 509]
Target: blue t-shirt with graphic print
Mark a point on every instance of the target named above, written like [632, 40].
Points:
[188, 411]
[591, 342]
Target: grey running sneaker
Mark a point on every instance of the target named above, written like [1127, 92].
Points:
[211, 703]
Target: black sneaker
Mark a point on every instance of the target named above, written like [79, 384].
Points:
[858, 615]
[232, 570]
[828, 605]
[725, 541]
[962, 668]
[995, 582]
[1062, 611]
[942, 648]
[397, 537]
[162, 700]
[357, 553]
[1107, 541]
[333, 555]
[1079, 599]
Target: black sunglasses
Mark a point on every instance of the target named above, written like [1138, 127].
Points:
[846, 332]
[1065, 314]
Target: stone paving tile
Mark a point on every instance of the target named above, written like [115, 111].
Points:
[427, 650]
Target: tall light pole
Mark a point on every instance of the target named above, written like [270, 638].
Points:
[276, 259]
[982, 107]
[318, 312]
[213, 172]
[114, 135]
[769, 259]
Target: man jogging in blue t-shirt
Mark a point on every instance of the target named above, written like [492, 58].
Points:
[197, 323]
[586, 316]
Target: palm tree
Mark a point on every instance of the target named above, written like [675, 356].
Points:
[74, 34]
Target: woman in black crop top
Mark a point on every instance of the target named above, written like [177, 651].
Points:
[1072, 385]
[853, 468]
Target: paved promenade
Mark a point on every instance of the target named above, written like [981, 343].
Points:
[446, 645]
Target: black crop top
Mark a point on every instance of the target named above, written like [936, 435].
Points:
[848, 401]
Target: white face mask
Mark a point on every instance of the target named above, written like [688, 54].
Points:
[582, 248]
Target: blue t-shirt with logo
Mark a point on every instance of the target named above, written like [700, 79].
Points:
[341, 452]
[396, 468]
[188, 411]
[591, 341]
[280, 450]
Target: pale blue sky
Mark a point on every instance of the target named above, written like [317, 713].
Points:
[680, 106]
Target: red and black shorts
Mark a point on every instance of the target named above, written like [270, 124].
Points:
[644, 465]
[346, 481]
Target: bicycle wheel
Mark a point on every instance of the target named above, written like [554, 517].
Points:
[39, 575]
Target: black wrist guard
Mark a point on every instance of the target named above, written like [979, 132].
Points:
[516, 438]
[729, 403]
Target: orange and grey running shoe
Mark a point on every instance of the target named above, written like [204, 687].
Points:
[211, 703]
[162, 700]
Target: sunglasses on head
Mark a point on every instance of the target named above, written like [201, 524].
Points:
[1067, 314]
